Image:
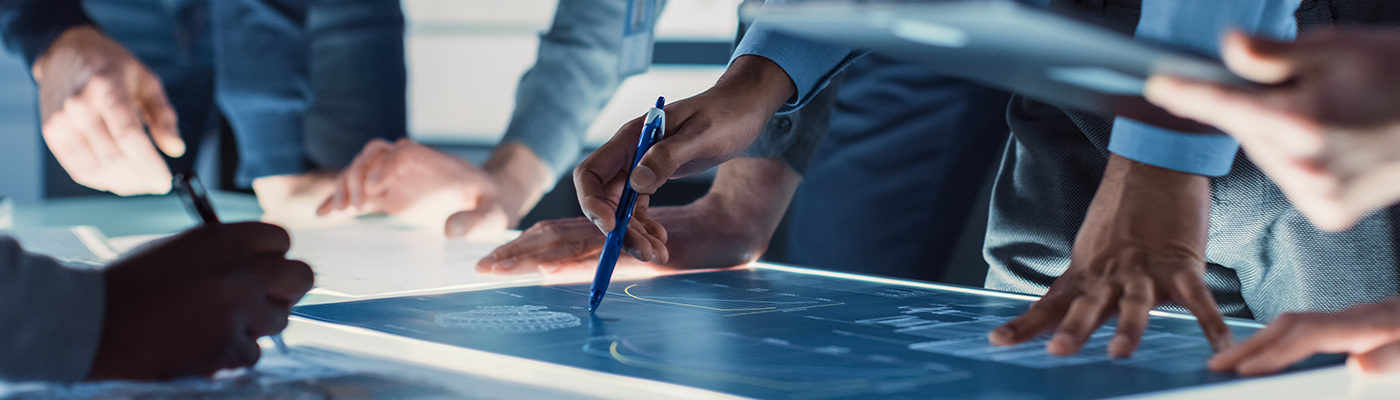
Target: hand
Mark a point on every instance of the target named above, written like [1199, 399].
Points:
[409, 178]
[729, 226]
[1142, 244]
[96, 101]
[1369, 332]
[292, 199]
[1329, 135]
[197, 303]
[701, 132]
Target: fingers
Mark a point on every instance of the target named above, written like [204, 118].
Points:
[366, 163]
[646, 238]
[72, 150]
[259, 238]
[285, 281]
[1262, 340]
[1085, 315]
[243, 351]
[548, 242]
[348, 184]
[1191, 292]
[1294, 342]
[600, 177]
[481, 219]
[1259, 60]
[1381, 360]
[160, 118]
[1139, 296]
[122, 118]
[270, 319]
[1041, 317]
[661, 162]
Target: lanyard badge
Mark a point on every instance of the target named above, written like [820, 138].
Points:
[638, 36]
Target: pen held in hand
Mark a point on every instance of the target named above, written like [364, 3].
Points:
[653, 130]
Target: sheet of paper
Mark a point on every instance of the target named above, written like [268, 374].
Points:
[377, 259]
[7, 211]
[79, 246]
[308, 372]
[770, 333]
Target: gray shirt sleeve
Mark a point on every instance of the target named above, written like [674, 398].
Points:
[574, 76]
[50, 317]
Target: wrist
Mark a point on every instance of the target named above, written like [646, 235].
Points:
[521, 178]
[1158, 199]
[757, 79]
[752, 192]
[65, 49]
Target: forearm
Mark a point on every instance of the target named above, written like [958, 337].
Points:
[523, 176]
[574, 76]
[51, 315]
[735, 220]
[1135, 191]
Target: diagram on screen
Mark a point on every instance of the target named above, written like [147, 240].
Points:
[508, 319]
[715, 298]
[776, 364]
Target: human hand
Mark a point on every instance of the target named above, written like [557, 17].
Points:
[196, 303]
[409, 178]
[96, 101]
[701, 132]
[1369, 332]
[1329, 134]
[1142, 244]
[729, 226]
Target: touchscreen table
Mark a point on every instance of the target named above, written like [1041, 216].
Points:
[780, 333]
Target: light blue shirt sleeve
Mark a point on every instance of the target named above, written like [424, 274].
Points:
[810, 64]
[574, 76]
[1197, 25]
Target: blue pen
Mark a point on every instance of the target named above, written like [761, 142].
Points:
[652, 131]
[197, 199]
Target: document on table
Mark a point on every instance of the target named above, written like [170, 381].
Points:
[79, 246]
[307, 372]
[375, 257]
[372, 259]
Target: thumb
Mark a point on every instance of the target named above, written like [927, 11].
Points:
[161, 120]
[1379, 360]
[465, 223]
[660, 163]
[1260, 60]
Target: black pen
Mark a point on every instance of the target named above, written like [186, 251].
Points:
[197, 200]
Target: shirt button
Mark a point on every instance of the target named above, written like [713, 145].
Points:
[784, 124]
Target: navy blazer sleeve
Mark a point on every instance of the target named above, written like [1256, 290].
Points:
[30, 26]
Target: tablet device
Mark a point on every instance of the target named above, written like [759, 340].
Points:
[1020, 48]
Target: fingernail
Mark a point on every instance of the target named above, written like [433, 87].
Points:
[643, 177]
[488, 260]
[636, 254]
[506, 264]
[1115, 346]
[599, 222]
[999, 335]
[550, 269]
[1060, 342]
